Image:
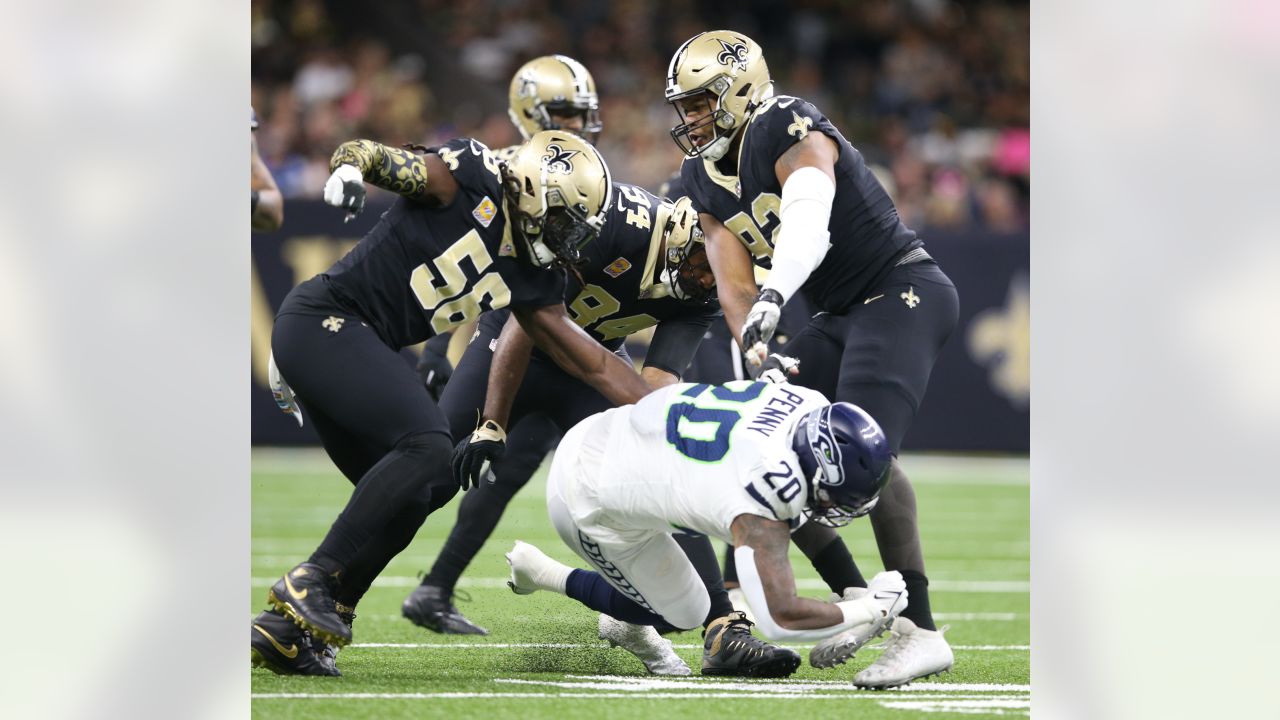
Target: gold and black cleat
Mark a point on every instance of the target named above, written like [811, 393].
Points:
[327, 653]
[305, 596]
[278, 645]
[729, 649]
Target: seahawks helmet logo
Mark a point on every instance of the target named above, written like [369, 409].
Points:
[557, 159]
[826, 449]
[735, 53]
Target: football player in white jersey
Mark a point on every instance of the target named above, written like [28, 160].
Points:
[745, 462]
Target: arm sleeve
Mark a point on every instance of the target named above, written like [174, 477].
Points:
[675, 341]
[749, 578]
[401, 171]
[803, 238]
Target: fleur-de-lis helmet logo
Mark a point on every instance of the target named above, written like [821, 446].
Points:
[733, 53]
[528, 85]
[558, 159]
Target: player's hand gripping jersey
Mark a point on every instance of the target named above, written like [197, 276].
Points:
[426, 269]
[867, 237]
[691, 457]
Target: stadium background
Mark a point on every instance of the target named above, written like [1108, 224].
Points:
[933, 93]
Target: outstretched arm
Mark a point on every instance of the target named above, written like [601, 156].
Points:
[735, 274]
[417, 177]
[580, 355]
[765, 574]
[506, 372]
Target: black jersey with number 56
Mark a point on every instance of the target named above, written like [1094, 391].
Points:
[426, 269]
[867, 237]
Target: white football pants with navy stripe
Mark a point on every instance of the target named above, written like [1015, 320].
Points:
[645, 565]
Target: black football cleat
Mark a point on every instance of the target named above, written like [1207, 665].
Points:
[328, 653]
[429, 606]
[278, 645]
[305, 595]
[729, 649]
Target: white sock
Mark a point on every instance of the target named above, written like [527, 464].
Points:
[555, 576]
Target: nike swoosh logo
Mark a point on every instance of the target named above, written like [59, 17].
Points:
[868, 301]
[887, 595]
[294, 591]
[788, 102]
[291, 652]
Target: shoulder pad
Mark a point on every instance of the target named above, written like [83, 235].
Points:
[470, 161]
[781, 122]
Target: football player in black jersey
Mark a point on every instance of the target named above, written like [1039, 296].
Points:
[552, 92]
[776, 183]
[647, 268]
[718, 361]
[467, 236]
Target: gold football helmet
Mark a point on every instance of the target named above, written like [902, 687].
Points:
[557, 189]
[686, 261]
[553, 84]
[728, 66]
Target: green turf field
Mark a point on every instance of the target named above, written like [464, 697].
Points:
[542, 658]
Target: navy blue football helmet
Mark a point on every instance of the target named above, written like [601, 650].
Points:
[845, 458]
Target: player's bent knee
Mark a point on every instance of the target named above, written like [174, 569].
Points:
[429, 452]
[690, 614]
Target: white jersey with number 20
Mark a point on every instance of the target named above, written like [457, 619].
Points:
[689, 457]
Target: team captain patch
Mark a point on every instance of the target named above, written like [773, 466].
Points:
[485, 211]
[617, 267]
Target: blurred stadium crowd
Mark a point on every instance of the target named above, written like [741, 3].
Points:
[934, 92]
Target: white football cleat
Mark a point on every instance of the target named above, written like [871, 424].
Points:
[911, 653]
[532, 570]
[883, 599]
[644, 642]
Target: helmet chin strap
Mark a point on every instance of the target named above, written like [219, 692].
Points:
[540, 253]
[717, 148]
[666, 286]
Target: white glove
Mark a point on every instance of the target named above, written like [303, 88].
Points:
[778, 368]
[281, 391]
[759, 327]
[345, 189]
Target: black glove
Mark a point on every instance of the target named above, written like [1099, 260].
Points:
[776, 369]
[435, 370]
[473, 455]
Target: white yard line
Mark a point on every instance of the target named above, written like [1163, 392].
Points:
[849, 695]
[922, 468]
[576, 646]
[915, 696]
[958, 586]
